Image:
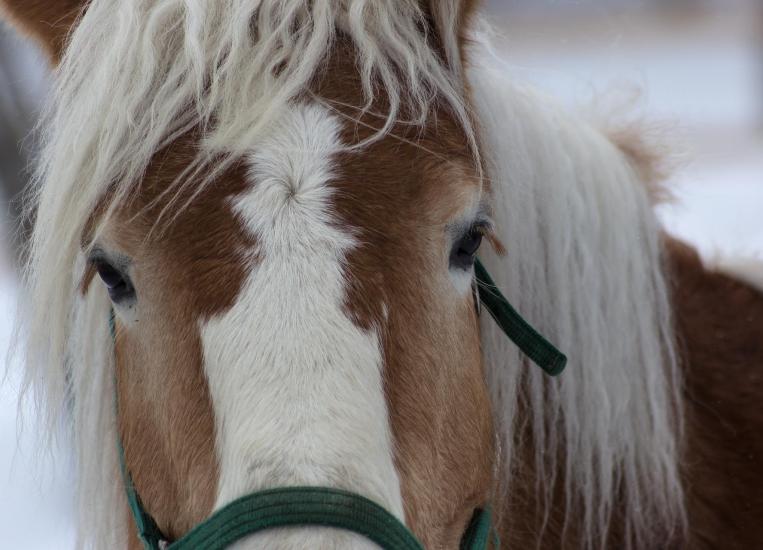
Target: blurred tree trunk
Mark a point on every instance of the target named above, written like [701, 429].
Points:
[759, 31]
[18, 114]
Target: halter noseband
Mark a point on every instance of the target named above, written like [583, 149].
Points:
[326, 507]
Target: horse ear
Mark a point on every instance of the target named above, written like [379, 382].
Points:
[47, 21]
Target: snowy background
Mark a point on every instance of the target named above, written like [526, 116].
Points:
[692, 67]
[695, 70]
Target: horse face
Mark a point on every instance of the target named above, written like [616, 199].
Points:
[307, 319]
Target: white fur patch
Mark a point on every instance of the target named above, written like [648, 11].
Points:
[296, 387]
[463, 280]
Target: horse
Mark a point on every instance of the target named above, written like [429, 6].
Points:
[252, 269]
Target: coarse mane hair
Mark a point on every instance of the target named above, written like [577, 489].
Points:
[585, 265]
[583, 262]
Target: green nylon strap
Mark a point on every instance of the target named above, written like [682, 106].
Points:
[299, 506]
[480, 533]
[148, 532]
[536, 347]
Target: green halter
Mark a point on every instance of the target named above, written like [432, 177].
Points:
[325, 507]
[539, 350]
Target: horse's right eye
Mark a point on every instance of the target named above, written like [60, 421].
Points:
[117, 283]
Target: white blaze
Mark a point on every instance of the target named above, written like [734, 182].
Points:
[297, 387]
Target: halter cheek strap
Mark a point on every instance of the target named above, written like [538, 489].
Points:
[326, 507]
[539, 350]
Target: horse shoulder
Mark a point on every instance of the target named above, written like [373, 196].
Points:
[719, 322]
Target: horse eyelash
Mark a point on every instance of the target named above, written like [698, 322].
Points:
[486, 228]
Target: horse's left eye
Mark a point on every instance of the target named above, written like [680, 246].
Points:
[465, 249]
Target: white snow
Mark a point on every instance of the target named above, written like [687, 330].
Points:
[702, 79]
[35, 486]
[719, 208]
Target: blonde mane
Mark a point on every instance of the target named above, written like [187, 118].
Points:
[584, 264]
[584, 253]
